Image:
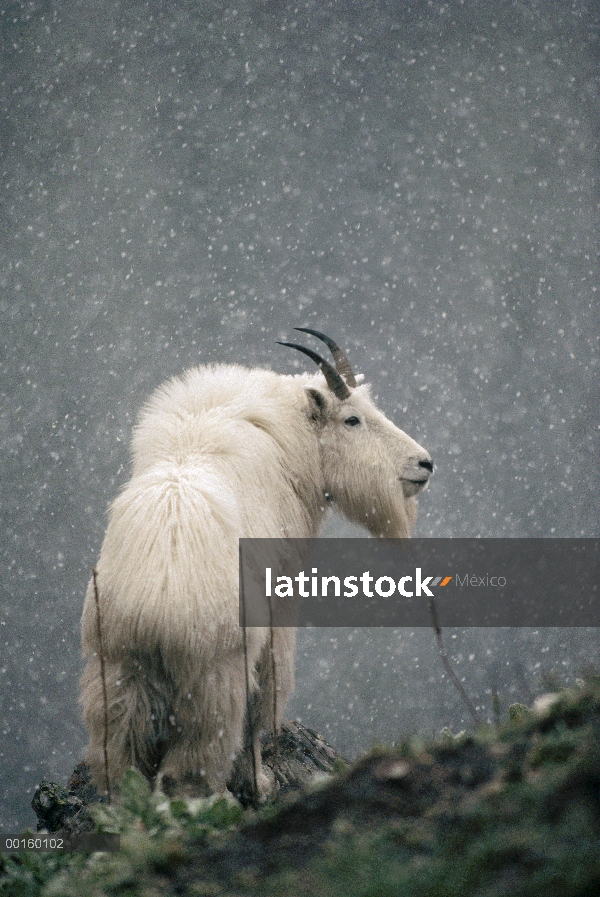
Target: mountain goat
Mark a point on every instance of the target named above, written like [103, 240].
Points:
[221, 453]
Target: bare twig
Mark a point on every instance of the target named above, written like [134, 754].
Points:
[103, 677]
[274, 677]
[520, 671]
[247, 672]
[496, 707]
[444, 658]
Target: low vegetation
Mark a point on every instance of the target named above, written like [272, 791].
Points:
[513, 809]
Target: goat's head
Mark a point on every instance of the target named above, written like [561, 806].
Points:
[372, 470]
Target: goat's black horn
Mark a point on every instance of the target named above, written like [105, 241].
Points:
[335, 381]
[342, 365]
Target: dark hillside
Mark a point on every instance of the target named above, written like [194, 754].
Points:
[516, 810]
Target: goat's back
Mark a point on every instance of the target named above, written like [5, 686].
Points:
[221, 453]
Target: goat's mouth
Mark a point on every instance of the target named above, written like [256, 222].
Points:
[412, 487]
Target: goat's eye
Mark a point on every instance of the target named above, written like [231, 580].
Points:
[352, 421]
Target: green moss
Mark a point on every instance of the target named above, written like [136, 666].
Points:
[517, 713]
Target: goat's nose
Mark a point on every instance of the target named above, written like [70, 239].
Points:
[428, 465]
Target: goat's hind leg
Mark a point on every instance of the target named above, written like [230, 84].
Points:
[207, 724]
[275, 681]
[107, 718]
[136, 712]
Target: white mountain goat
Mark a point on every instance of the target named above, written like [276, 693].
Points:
[222, 453]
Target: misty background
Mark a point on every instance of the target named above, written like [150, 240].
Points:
[184, 182]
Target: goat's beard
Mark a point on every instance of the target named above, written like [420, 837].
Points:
[390, 517]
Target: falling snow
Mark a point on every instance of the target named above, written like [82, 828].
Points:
[185, 183]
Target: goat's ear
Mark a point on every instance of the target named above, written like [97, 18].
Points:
[317, 404]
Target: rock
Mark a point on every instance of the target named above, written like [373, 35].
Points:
[63, 809]
[295, 758]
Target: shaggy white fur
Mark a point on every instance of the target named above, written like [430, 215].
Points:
[222, 453]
